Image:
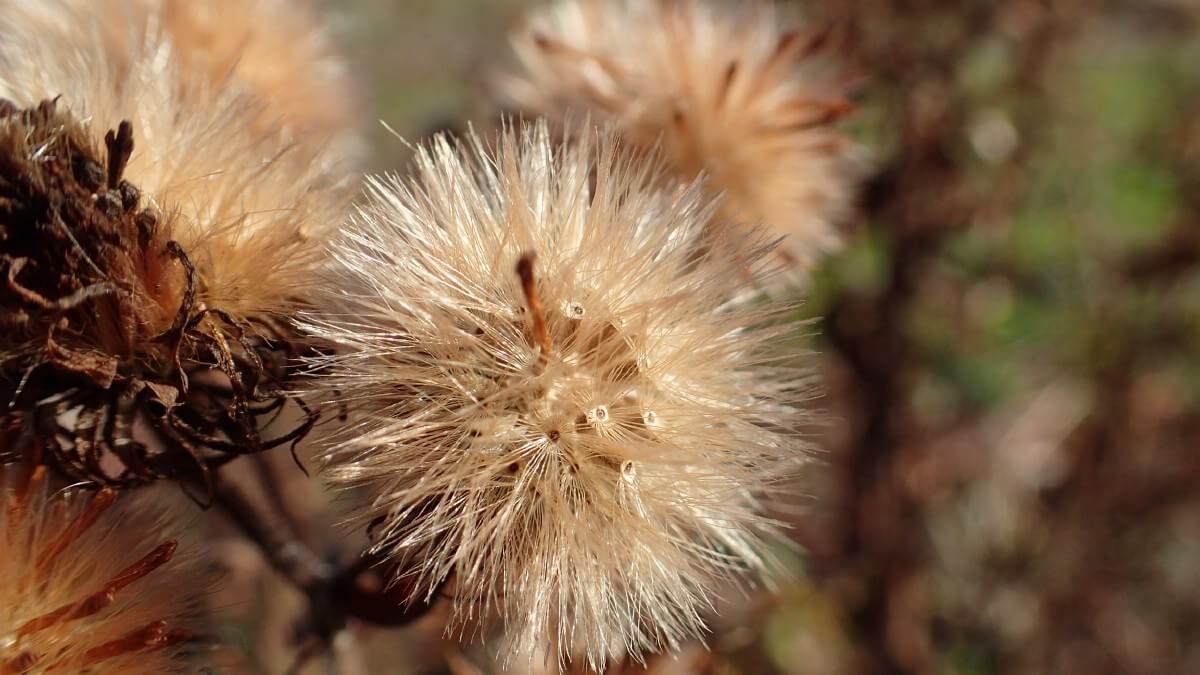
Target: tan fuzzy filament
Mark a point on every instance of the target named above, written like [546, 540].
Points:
[557, 408]
[92, 583]
[735, 92]
[274, 52]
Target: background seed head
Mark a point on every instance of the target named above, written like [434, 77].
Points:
[277, 51]
[249, 202]
[737, 92]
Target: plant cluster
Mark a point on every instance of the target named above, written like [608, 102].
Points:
[553, 364]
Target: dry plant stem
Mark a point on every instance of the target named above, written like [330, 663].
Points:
[541, 334]
[290, 557]
[335, 594]
[272, 481]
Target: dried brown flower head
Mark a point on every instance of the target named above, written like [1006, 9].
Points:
[732, 91]
[91, 583]
[173, 250]
[554, 401]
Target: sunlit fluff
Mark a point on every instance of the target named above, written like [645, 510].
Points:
[275, 49]
[91, 583]
[739, 94]
[579, 442]
[247, 204]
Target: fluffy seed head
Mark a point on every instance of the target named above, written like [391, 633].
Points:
[556, 405]
[249, 206]
[90, 584]
[734, 93]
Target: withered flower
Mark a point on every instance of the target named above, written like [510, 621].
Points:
[154, 237]
[555, 404]
[735, 92]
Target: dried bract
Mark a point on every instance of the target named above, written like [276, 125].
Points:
[92, 584]
[732, 93]
[555, 404]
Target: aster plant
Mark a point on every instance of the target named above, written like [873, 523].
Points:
[553, 390]
[557, 406]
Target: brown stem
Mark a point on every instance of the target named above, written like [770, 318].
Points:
[286, 554]
[359, 590]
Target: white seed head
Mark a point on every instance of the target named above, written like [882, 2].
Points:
[92, 583]
[736, 93]
[555, 404]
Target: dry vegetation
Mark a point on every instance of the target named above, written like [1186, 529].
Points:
[992, 212]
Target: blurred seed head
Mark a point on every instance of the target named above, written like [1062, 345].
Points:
[555, 404]
[735, 91]
[276, 50]
[92, 583]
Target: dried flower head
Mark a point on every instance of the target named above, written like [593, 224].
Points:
[153, 230]
[91, 583]
[733, 93]
[242, 199]
[555, 403]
